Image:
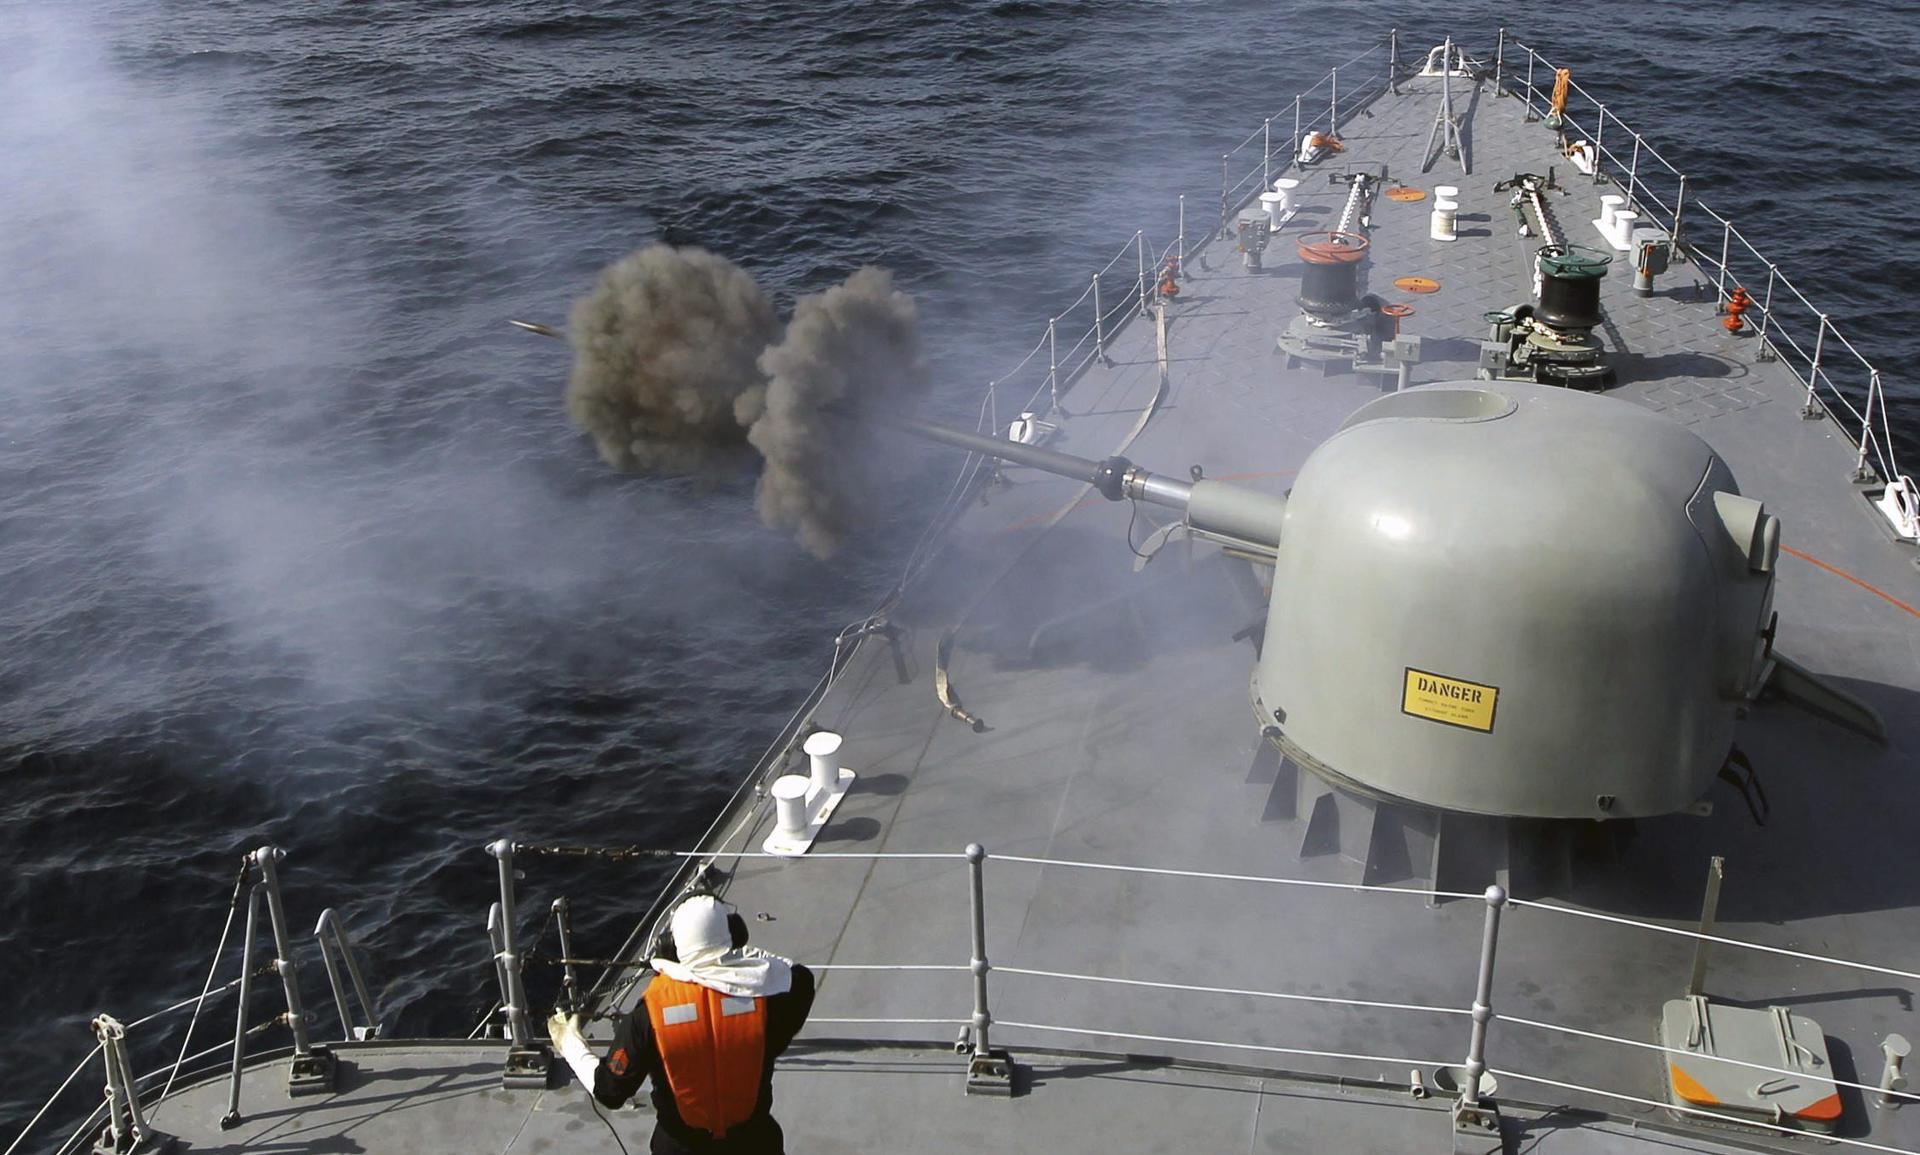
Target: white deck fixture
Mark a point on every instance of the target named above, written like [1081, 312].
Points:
[804, 802]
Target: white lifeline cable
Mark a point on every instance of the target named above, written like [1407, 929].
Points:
[1231, 991]
[48, 1105]
[1715, 1115]
[1356, 886]
[1234, 1046]
[1694, 934]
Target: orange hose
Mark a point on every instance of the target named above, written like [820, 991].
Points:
[1562, 84]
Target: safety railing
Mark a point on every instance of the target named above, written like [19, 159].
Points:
[122, 1118]
[984, 1034]
[1839, 379]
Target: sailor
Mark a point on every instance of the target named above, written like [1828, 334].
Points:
[707, 1031]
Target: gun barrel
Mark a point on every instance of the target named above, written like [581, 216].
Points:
[1228, 511]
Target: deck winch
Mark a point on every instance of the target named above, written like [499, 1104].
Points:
[1551, 339]
[1500, 600]
[1337, 325]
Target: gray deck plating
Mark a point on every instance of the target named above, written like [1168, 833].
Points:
[1125, 736]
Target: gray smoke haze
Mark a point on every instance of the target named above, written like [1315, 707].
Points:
[662, 348]
[675, 364]
[848, 354]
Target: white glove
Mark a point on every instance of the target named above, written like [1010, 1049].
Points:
[564, 1030]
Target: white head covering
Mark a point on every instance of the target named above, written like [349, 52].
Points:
[704, 943]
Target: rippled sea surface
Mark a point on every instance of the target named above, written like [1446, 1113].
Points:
[297, 545]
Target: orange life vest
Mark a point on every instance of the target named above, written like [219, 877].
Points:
[713, 1047]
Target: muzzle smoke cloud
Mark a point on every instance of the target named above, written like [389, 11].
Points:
[676, 362]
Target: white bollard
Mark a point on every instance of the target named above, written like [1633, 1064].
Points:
[1610, 206]
[1442, 226]
[790, 806]
[1275, 203]
[1446, 192]
[1285, 186]
[1622, 234]
[823, 752]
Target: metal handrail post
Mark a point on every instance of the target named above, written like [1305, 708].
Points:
[1633, 172]
[1726, 241]
[1679, 207]
[989, 1072]
[1140, 252]
[330, 924]
[1181, 250]
[1813, 368]
[1599, 154]
[284, 965]
[125, 1117]
[509, 957]
[1333, 104]
[1223, 194]
[1393, 60]
[1053, 366]
[1531, 92]
[1099, 322]
[1266, 154]
[563, 922]
[982, 1020]
[1476, 1064]
[232, 1117]
[1766, 311]
[1860, 470]
[1499, 59]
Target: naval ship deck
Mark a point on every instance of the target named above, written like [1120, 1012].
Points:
[1118, 731]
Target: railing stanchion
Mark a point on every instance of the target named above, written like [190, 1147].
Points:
[1633, 174]
[989, 1072]
[1393, 60]
[1811, 409]
[1140, 251]
[1862, 472]
[233, 1117]
[1765, 350]
[1333, 105]
[1099, 322]
[1223, 193]
[310, 1072]
[1599, 154]
[1531, 91]
[1180, 249]
[1709, 911]
[330, 925]
[1468, 1112]
[1726, 242]
[1679, 208]
[1499, 60]
[126, 1121]
[1053, 367]
[1266, 154]
[527, 1062]
[563, 923]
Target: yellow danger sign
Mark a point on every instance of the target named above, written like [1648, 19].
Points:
[1449, 701]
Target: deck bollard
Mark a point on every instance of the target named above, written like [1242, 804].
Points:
[989, 1072]
[126, 1131]
[1469, 1113]
[527, 1061]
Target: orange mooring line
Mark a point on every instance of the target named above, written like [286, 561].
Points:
[1835, 570]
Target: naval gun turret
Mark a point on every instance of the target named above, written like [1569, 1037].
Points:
[1498, 600]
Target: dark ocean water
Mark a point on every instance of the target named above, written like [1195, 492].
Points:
[297, 545]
